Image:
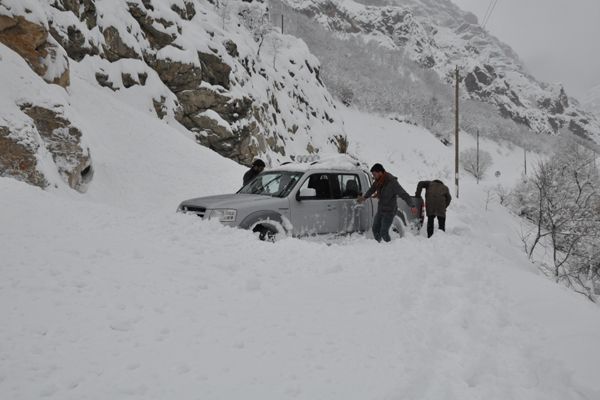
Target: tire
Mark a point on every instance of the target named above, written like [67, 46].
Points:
[266, 232]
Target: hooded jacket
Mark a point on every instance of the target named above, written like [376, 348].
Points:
[387, 194]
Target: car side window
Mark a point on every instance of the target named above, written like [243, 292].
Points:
[322, 185]
[349, 185]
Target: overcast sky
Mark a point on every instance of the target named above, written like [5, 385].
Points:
[558, 40]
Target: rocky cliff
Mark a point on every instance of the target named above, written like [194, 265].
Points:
[217, 70]
[439, 36]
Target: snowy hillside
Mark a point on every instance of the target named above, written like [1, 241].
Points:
[111, 294]
[439, 36]
[592, 100]
[217, 72]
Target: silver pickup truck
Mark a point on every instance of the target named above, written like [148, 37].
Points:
[300, 199]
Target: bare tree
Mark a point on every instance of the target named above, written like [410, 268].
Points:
[562, 199]
[474, 164]
[255, 17]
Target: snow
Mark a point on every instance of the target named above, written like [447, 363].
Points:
[112, 295]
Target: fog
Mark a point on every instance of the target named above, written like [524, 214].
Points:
[556, 39]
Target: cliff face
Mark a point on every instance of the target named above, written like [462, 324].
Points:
[439, 36]
[215, 69]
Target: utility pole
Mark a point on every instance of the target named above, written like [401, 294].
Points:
[282, 23]
[478, 156]
[525, 159]
[456, 134]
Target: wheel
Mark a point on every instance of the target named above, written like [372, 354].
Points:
[266, 233]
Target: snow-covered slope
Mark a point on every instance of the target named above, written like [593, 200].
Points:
[111, 294]
[440, 36]
[591, 101]
[216, 71]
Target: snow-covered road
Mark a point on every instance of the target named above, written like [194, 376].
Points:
[99, 302]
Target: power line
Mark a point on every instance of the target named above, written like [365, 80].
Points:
[489, 12]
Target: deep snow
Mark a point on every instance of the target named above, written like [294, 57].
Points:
[112, 295]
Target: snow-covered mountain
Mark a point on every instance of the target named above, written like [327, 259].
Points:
[591, 100]
[216, 70]
[440, 36]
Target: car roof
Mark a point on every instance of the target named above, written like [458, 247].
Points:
[331, 163]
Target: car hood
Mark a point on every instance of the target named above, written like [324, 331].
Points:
[234, 200]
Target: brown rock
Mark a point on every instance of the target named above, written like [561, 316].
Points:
[73, 42]
[63, 141]
[159, 107]
[176, 75]
[128, 80]
[104, 81]
[187, 13]
[6, 22]
[18, 160]
[157, 38]
[216, 72]
[231, 48]
[85, 10]
[114, 47]
[29, 40]
[26, 39]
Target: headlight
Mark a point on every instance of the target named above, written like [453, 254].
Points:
[223, 215]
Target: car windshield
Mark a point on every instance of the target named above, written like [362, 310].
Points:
[272, 183]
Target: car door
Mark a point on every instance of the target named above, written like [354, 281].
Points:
[351, 215]
[316, 214]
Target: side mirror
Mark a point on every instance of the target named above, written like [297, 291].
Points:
[306, 193]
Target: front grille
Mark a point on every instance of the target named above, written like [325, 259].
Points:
[199, 211]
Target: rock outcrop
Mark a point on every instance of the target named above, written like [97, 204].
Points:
[32, 42]
[237, 87]
[18, 159]
[63, 141]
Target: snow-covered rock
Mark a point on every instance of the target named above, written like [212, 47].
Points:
[39, 144]
[215, 70]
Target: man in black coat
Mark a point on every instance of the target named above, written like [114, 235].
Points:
[437, 199]
[257, 167]
[386, 188]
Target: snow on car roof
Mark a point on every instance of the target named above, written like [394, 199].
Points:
[332, 161]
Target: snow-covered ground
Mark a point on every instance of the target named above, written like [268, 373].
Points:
[112, 295]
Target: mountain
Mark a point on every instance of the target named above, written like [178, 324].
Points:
[215, 70]
[440, 37]
[591, 100]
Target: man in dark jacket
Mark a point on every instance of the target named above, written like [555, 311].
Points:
[257, 167]
[437, 199]
[386, 188]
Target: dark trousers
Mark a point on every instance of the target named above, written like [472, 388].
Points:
[381, 226]
[441, 224]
